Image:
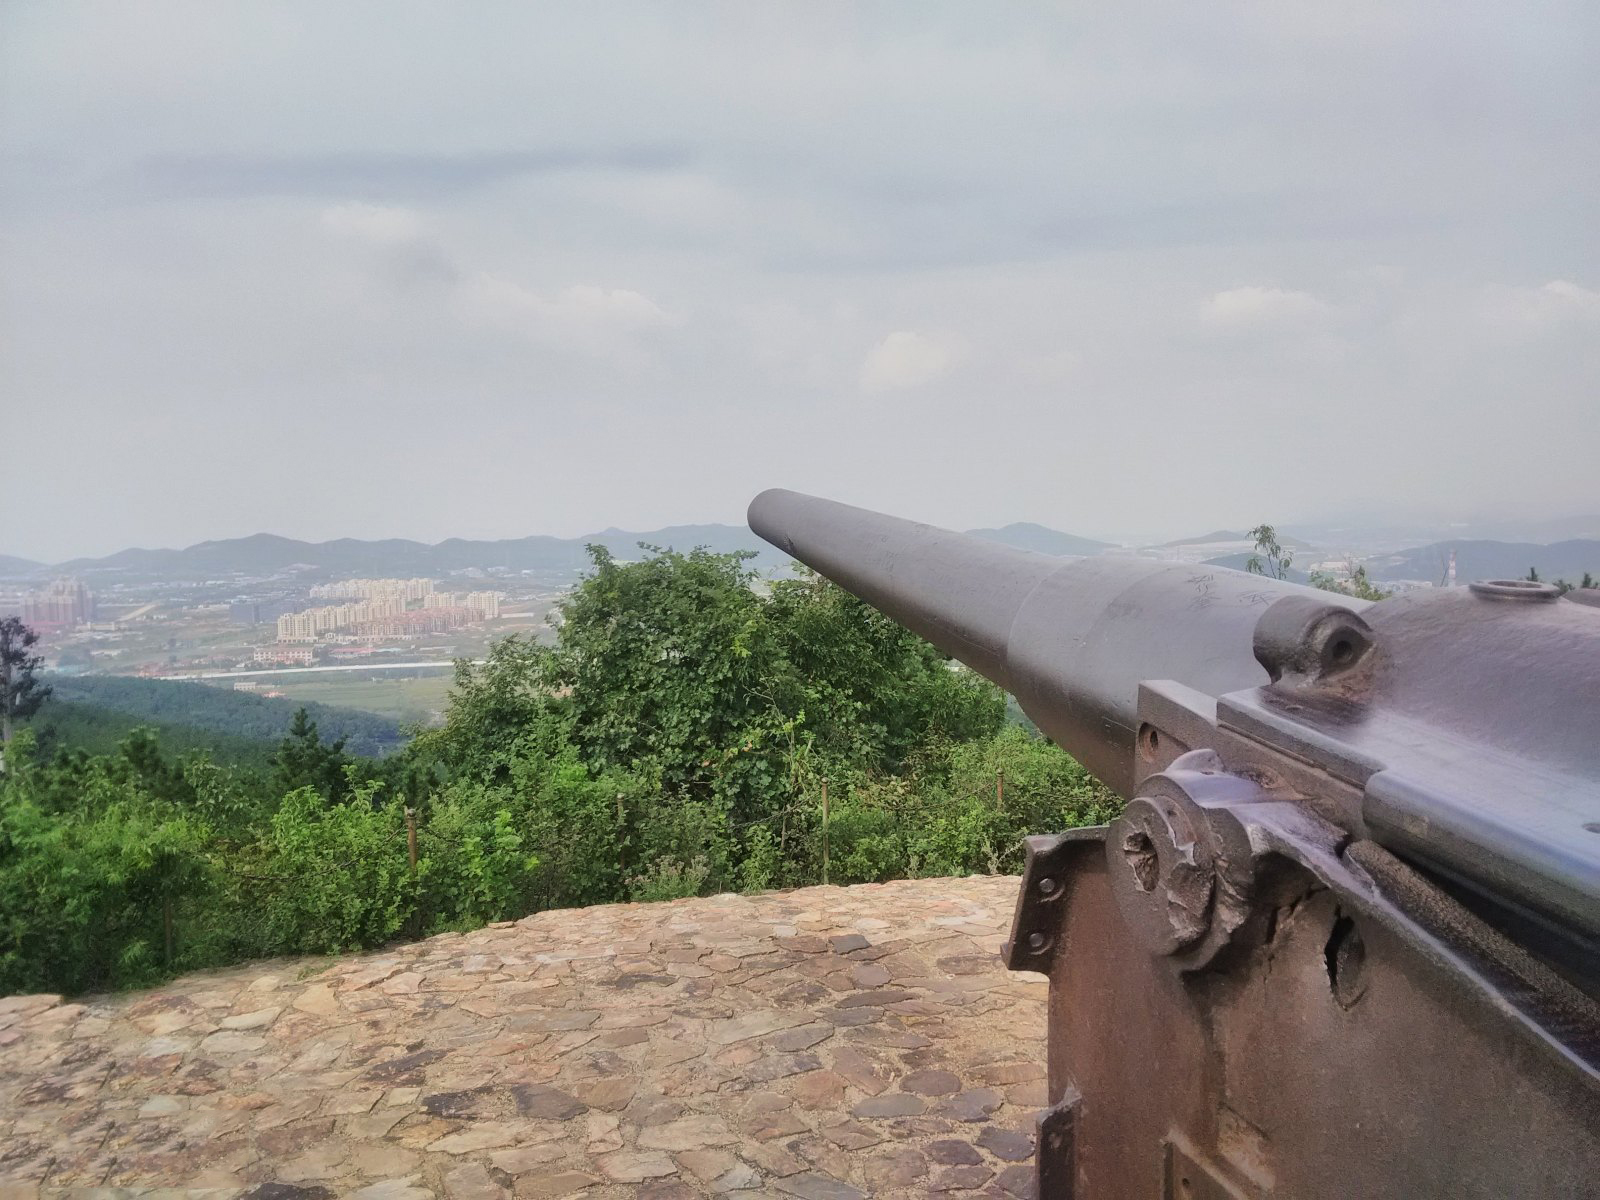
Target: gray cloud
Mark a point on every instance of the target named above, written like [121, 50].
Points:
[425, 270]
[384, 176]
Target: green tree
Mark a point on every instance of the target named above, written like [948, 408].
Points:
[304, 760]
[21, 693]
[1356, 583]
[715, 705]
[1270, 558]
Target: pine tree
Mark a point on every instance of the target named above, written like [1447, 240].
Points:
[21, 693]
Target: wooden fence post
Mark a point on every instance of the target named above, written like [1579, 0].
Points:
[411, 839]
[1000, 789]
[824, 829]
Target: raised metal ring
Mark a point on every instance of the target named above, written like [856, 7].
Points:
[1514, 589]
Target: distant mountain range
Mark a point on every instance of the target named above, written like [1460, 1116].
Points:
[1491, 560]
[1229, 535]
[266, 554]
[12, 567]
[1026, 536]
[1480, 559]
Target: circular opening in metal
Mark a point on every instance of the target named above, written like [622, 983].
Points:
[1514, 589]
[1149, 742]
[1342, 651]
[1140, 852]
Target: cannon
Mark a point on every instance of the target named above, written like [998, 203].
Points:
[1342, 939]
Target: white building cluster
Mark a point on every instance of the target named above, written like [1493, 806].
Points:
[308, 625]
[487, 603]
[384, 608]
[374, 589]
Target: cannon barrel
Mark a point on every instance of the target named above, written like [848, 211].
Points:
[1071, 639]
[1360, 854]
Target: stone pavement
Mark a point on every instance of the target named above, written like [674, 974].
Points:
[825, 1043]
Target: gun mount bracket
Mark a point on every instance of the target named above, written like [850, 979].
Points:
[1050, 864]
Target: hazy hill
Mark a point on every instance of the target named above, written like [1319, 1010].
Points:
[1027, 536]
[1491, 560]
[1237, 562]
[17, 568]
[1232, 535]
[268, 554]
[206, 711]
[1207, 539]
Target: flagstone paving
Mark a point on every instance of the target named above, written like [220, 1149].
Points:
[827, 1044]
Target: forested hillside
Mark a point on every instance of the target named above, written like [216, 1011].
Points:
[197, 707]
[92, 729]
[677, 739]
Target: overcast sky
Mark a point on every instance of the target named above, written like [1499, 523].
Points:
[484, 270]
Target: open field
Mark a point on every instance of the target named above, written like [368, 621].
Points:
[408, 700]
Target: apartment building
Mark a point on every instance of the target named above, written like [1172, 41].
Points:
[65, 602]
[371, 589]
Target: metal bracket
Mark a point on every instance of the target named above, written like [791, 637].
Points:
[1037, 922]
[1056, 1163]
[1191, 1177]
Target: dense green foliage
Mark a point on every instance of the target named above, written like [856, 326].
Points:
[239, 716]
[70, 726]
[1356, 583]
[678, 738]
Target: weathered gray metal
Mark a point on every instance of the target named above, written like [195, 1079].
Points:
[1344, 940]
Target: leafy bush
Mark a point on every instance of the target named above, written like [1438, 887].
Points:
[87, 897]
[669, 879]
[477, 868]
[339, 872]
[673, 742]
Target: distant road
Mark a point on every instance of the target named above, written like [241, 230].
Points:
[387, 666]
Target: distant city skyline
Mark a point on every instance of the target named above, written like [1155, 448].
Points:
[1131, 273]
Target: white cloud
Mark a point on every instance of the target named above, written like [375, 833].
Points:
[375, 223]
[1559, 302]
[583, 312]
[1252, 308]
[905, 359]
